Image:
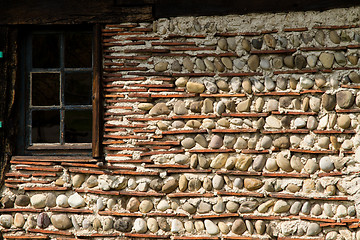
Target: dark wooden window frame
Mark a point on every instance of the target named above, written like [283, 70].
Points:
[69, 149]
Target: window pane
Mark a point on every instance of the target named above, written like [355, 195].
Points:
[45, 89]
[78, 125]
[46, 51]
[78, 50]
[78, 88]
[45, 126]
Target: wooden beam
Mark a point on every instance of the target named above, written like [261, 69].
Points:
[97, 101]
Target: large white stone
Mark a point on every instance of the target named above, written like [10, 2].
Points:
[140, 225]
[211, 227]
[76, 201]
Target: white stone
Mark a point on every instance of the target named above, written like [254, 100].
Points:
[38, 201]
[326, 164]
[163, 205]
[76, 201]
[62, 201]
[152, 225]
[176, 226]
[189, 226]
[299, 122]
[273, 122]
[306, 83]
[211, 227]
[140, 225]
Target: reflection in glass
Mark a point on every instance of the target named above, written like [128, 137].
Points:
[45, 89]
[46, 51]
[78, 88]
[46, 126]
[78, 126]
[78, 49]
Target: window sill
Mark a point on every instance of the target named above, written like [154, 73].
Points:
[67, 146]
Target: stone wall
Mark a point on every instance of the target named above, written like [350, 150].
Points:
[233, 127]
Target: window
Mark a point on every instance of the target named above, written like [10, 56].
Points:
[58, 91]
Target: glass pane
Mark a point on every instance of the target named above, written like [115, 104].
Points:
[78, 125]
[78, 50]
[46, 51]
[45, 89]
[46, 126]
[78, 88]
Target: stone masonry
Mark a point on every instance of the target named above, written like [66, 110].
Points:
[232, 127]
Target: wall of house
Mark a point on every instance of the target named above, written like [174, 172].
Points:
[231, 127]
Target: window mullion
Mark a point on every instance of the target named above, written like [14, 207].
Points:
[62, 88]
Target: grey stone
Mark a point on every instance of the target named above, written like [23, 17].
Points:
[6, 220]
[328, 101]
[266, 142]
[281, 206]
[327, 59]
[43, 220]
[161, 66]
[306, 37]
[22, 200]
[334, 37]
[232, 206]
[231, 43]
[188, 64]
[340, 58]
[209, 65]
[259, 163]
[311, 166]
[270, 41]
[170, 186]
[260, 227]
[320, 37]
[200, 64]
[229, 141]
[218, 182]
[265, 64]
[179, 108]
[203, 162]
[208, 106]
[316, 210]
[204, 207]
[283, 163]
[306, 208]
[277, 62]
[313, 229]
[159, 109]
[222, 85]
[175, 66]
[238, 63]
[248, 206]
[201, 140]
[156, 184]
[269, 84]
[258, 85]
[285, 121]
[272, 105]
[222, 43]
[163, 224]
[108, 224]
[354, 77]
[312, 60]
[314, 104]
[299, 123]
[283, 42]
[285, 102]
[227, 62]
[194, 185]
[146, 206]
[253, 62]
[257, 43]
[189, 208]
[78, 180]
[211, 227]
[192, 87]
[207, 184]
[306, 83]
[211, 87]
[61, 221]
[219, 65]
[289, 61]
[219, 207]
[281, 83]
[345, 99]
[216, 142]
[238, 227]
[300, 62]
[123, 224]
[295, 208]
[188, 143]
[246, 85]
[245, 44]
[296, 164]
[91, 181]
